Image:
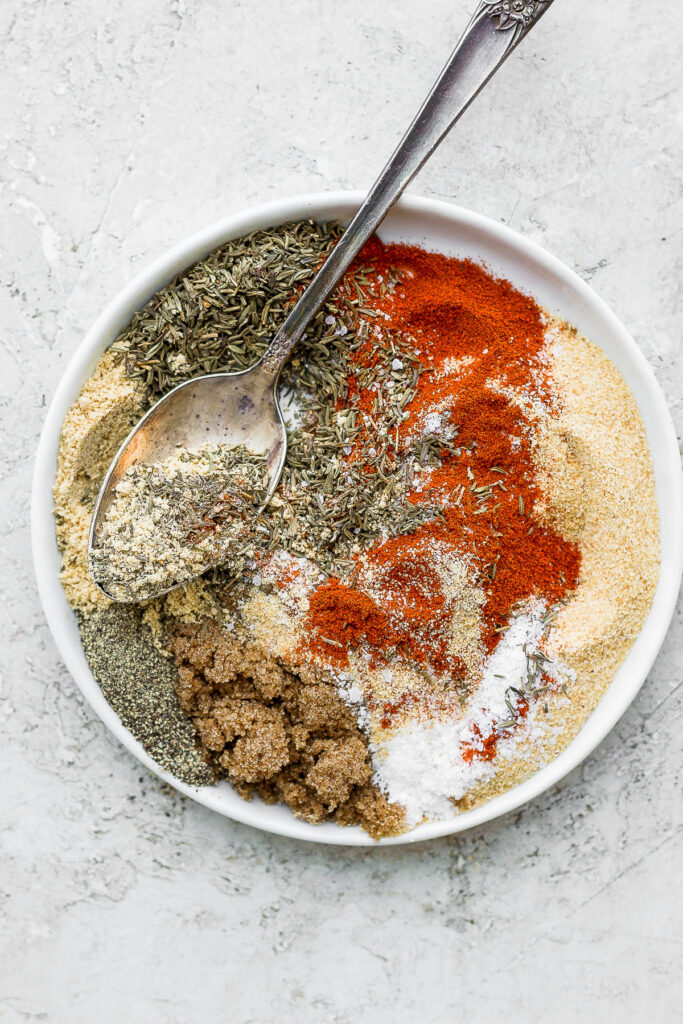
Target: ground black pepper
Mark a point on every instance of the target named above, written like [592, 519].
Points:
[140, 685]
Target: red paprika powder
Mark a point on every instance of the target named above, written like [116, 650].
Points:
[477, 337]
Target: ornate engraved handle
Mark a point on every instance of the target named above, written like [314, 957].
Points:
[514, 16]
[494, 31]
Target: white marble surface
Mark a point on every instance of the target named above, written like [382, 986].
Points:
[126, 125]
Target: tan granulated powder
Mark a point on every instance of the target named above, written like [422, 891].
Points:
[93, 430]
[282, 735]
[605, 483]
[192, 603]
[104, 412]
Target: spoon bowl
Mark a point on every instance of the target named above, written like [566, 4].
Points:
[220, 408]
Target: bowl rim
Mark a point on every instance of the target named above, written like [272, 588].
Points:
[46, 560]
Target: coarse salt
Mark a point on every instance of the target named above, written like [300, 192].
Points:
[432, 423]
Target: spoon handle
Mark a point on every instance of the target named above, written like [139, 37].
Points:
[496, 28]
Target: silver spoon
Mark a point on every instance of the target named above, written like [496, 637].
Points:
[242, 408]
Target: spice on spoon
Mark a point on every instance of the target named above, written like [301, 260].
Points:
[170, 521]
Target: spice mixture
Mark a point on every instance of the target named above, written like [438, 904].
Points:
[170, 522]
[460, 552]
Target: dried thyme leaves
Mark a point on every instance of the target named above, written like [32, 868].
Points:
[221, 313]
[345, 391]
[171, 521]
[346, 479]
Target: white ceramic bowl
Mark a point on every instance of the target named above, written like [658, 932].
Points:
[456, 232]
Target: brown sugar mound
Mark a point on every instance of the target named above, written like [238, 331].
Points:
[284, 736]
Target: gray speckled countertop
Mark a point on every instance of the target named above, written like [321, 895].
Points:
[125, 126]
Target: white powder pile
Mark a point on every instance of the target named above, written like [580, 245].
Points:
[422, 765]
